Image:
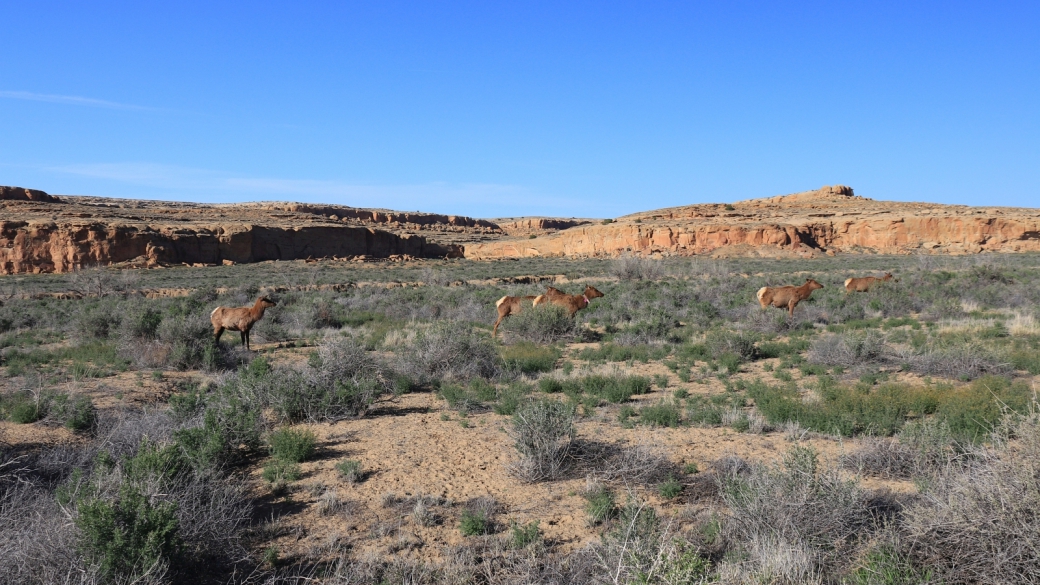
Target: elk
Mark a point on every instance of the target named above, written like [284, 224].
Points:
[864, 284]
[239, 319]
[509, 306]
[573, 303]
[786, 296]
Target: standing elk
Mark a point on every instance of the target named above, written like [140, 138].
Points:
[239, 319]
[786, 296]
[864, 284]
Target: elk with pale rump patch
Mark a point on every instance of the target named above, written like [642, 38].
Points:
[786, 296]
[864, 284]
[509, 306]
[239, 319]
[573, 303]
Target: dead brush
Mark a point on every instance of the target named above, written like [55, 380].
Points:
[978, 524]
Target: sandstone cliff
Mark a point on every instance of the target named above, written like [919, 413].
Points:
[41, 234]
[20, 194]
[829, 220]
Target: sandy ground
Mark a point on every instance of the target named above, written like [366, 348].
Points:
[414, 446]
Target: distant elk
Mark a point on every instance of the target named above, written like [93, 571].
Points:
[239, 319]
[573, 303]
[864, 284]
[787, 296]
[509, 306]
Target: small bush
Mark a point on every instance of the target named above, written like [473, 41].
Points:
[848, 349]
[280, 472]
[723, 343]
[26, 407]
[350, 470]
[670, 488]
[601, 504]
[78, 413]
[292, 445]
[128, 536]
[662, 414]
[636, 268]
[528, 358]
[543, 433]
[546, 323]
[451, 350]
[473, 523]
[524, 535]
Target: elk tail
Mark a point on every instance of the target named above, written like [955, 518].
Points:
[847, 281]
[761, 293]
[214, 311]
[499, 302]
[537, 300]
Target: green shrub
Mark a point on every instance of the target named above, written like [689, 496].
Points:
[26, 407]
[614, 388]
[670, 488]
[524, 535]
[126, 537]
[662, 414]
[550, 385]
[700, 411]
[78, 413]
[292, 445]
[509, 399]
[350, 470]
[281, 472]
[885, 566]
[601, 504]
[473, 523]
[1028, 360]
[546, 323]
[527, 358]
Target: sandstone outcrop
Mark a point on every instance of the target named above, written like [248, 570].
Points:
[43, 236]
[526, 226]
[826, 221]
[20, 194]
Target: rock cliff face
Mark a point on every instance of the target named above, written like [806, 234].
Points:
[830, 220]
[20, 194]
[42, 235]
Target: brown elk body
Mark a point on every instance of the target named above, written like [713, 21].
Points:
[786, 296]
[509, 306]
[864, 284]
[573, 303]
[239, 319]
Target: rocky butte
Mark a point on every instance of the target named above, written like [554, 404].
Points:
[830, 220]
[44, 233]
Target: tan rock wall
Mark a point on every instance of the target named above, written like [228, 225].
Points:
[47, 246]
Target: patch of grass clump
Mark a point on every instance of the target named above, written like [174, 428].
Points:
[350, 470]
[600, 504]
[280, 472]
[662, 414]
[292, 445]
[524, 535]
[527, 358]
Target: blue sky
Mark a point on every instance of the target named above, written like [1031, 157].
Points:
[493, 109]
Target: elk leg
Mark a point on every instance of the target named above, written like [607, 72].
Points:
[790, 307]
[217, 334]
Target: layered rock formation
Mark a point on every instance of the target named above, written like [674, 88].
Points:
[829, 220]
[20, 194]
[44, 234]
[41, 233]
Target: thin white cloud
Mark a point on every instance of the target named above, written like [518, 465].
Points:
[69, 99]
[185, 183]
